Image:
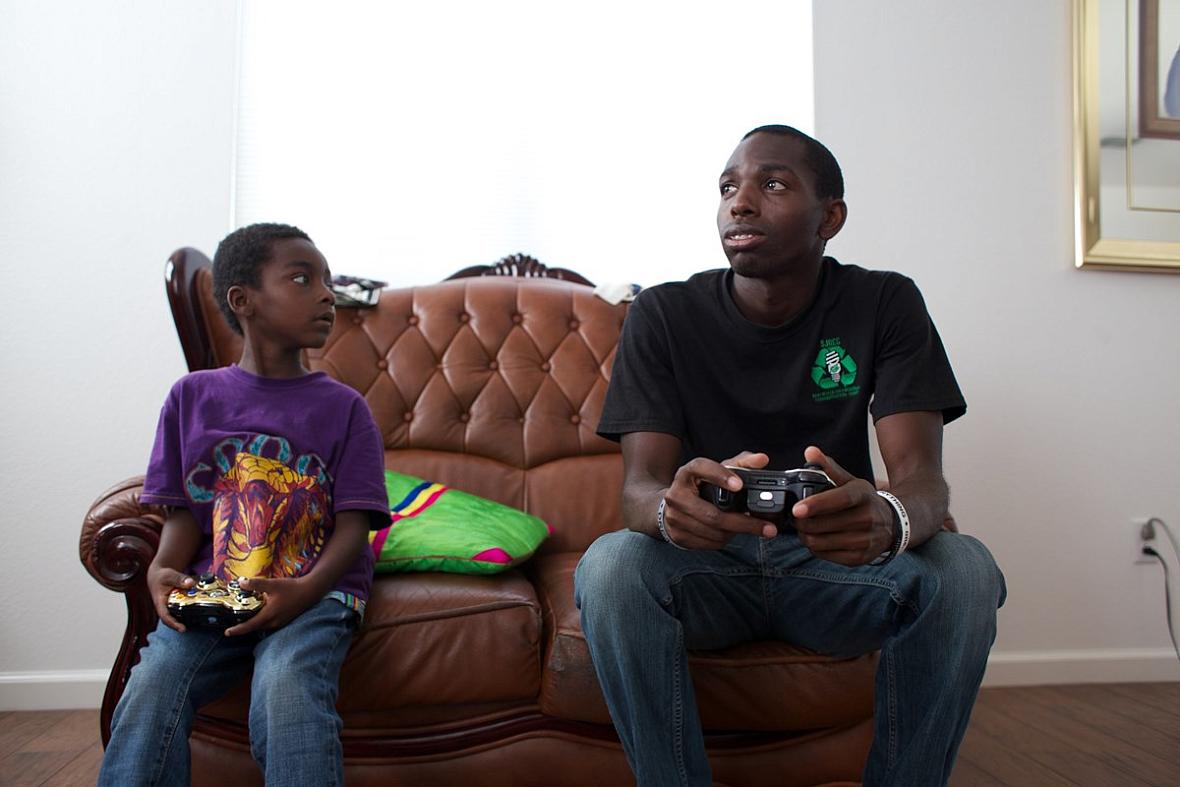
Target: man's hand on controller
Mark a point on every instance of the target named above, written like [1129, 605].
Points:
[694, 523]
[851, 524]
[161, 582]
[285, 598]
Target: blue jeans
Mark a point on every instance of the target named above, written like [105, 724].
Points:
[294, 727]
[931, 612]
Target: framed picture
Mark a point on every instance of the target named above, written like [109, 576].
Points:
[1127, 134]
[1159, 69]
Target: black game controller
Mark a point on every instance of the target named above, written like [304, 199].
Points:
[768, 494]
[212, 604]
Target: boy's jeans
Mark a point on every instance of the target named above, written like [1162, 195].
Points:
[931, 612]
[294, 727]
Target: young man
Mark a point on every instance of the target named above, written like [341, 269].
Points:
[272, 475]
[774, 363]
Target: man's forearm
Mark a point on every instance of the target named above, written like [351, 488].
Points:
[911, 445]
[641, 499]
[925, 500]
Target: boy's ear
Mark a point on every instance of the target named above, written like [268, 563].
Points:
[835, 214]
[240, 302]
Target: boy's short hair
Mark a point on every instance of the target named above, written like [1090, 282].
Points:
[239, 259]
[829, 180]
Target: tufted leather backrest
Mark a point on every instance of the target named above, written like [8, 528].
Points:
[493, 385]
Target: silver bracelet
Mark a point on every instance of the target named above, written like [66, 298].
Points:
[902, 540]
[662, 526]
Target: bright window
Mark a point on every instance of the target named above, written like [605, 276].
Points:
[411, 140]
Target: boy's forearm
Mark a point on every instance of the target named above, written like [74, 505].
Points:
[350, 536]
[180, 538]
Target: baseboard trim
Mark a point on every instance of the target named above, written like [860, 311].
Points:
[52, 690]
[1052, 667]
[67, 689]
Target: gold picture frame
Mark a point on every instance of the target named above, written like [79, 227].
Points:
[1121, 223]
[1152, 123]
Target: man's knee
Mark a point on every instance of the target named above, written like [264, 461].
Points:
[969, 581]
[598, 566]
[612, 569]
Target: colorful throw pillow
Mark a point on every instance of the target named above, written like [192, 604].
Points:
[436, 528]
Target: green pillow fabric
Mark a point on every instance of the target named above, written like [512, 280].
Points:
[436, 528]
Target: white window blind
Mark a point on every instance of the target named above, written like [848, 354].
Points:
[413, 140]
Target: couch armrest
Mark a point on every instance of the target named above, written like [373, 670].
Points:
[120, 536]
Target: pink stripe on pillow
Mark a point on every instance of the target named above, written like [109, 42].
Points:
[379, 541]
[493, 555]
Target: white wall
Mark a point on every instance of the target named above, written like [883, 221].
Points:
[953, 128]
[115, 148]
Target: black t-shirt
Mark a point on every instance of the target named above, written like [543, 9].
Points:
[691, 365]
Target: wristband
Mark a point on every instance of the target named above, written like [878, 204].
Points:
[902, 540]
[661, 525]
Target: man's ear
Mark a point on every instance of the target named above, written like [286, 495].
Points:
[835, 214]
[240, 302]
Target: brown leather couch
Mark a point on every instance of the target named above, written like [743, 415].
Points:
[492, 384]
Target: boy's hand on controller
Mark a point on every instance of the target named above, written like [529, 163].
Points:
[694, 523]
[851, 524]
[161, 582]
[286, 598]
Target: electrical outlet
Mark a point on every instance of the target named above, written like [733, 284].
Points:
[1144, 537]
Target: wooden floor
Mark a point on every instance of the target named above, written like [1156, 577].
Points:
[59, 748]
[1094, 736]
[1113, 735]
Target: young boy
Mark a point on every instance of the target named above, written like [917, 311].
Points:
[273, 475]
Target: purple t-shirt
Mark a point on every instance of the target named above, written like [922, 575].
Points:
[264, 465]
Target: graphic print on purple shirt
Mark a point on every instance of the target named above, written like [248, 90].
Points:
[271, 515]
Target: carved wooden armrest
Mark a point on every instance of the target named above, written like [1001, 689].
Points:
[120, 537]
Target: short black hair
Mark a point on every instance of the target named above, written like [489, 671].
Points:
[239, 259]
[829, 180]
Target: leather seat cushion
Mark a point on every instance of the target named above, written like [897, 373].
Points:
[756, 686]
[440, 639]
[434, 639]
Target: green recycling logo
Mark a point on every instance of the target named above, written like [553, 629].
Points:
[834, 371]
